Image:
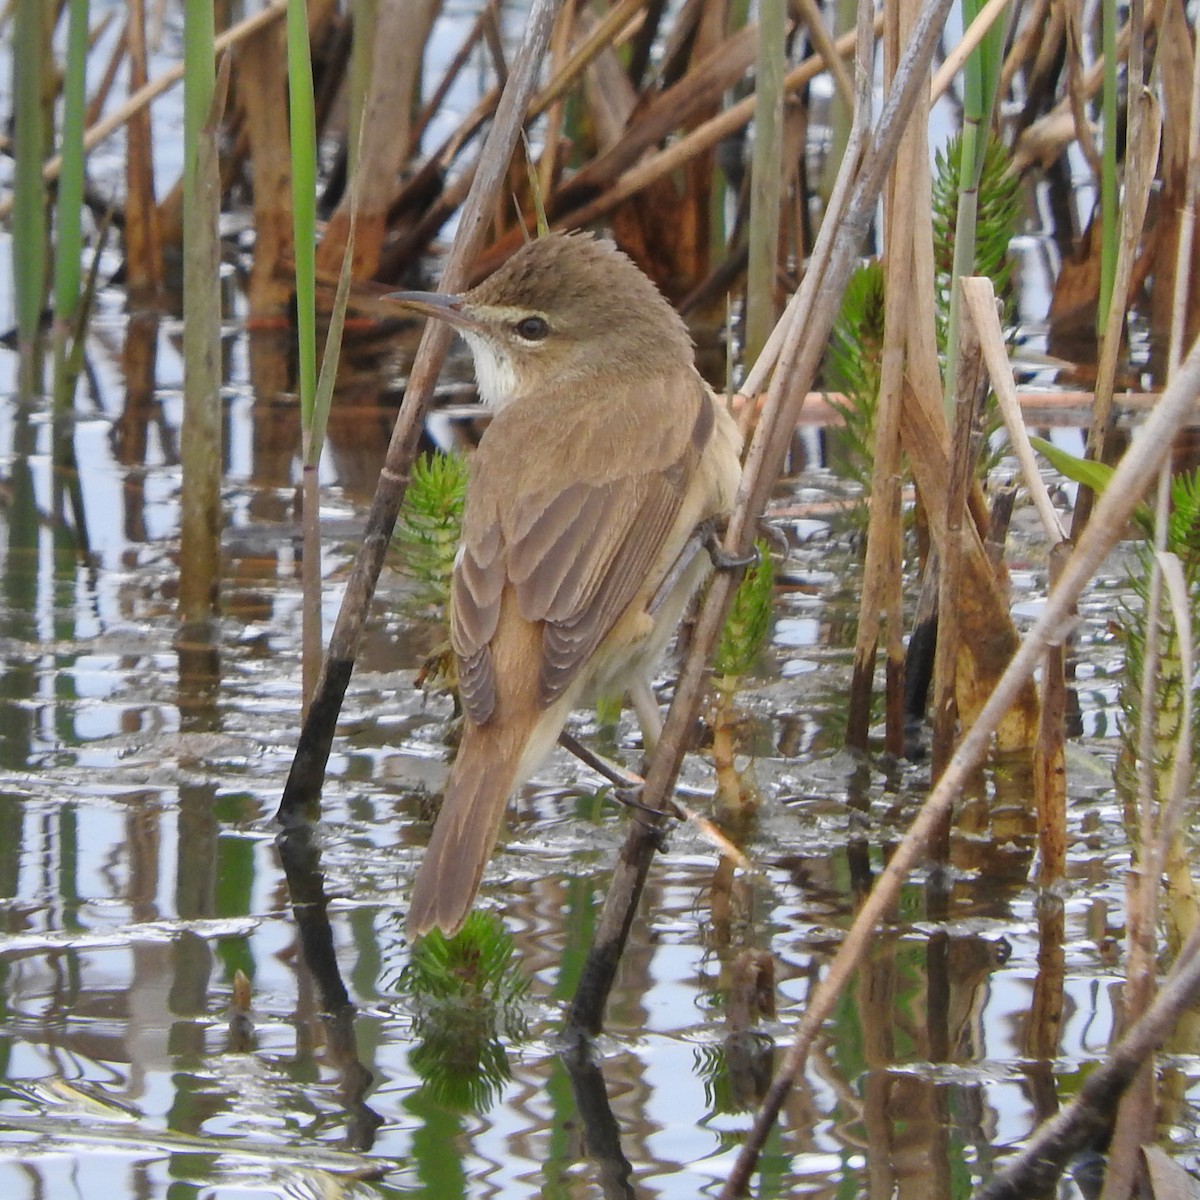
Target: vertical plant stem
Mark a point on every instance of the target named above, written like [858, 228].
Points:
[200, 550]
[1049, 763]
[1108, 161]
[303, 128]
[302, 122]
[143, 253]
[68, 254]
[29, 209]
[766, 178]
[1141, 160]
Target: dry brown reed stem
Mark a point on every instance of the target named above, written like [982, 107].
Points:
[1141, 158]
[143, 249]
[1187, 228]
[143, 96]
[1133, 474]
[809, 323]
[547, 167]
[400, 33]
[1049, 758]
[431, 109]
[301, 794]
[449, 198]
[1089, 1116]
[1033, 32]
[968, 378]
[99, 98]
[980, 300]
[824, 45]
[1076, 96]
[655, 165]
[953, 62]
[979, 303]
[880, 604]
[1048, 131]
[613, 28]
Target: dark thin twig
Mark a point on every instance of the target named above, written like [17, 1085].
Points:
[303, 788]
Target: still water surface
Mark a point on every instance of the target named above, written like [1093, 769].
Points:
[142, 765]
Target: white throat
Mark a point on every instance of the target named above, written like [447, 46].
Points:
[493, 371]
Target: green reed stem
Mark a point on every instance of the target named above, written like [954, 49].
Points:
[29, 191]
[68, 223]
[981, 79]
[304, 202]
[200, 452]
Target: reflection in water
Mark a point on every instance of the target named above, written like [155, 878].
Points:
[301, 858]
[140, 767]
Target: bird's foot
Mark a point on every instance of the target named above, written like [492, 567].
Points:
[722, 560]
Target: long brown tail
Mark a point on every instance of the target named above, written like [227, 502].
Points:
[483, 777]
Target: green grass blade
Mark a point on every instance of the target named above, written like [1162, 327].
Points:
[303, 126]
[29, 192]
[68, 255]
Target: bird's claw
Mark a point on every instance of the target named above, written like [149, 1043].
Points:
[647, 816]
[722, 559]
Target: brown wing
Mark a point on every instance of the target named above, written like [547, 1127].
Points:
[575, 544]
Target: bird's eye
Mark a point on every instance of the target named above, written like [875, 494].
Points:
[532, 329]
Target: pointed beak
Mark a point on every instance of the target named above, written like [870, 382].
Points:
[440, 305]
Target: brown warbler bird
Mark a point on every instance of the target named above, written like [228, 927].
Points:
[606, 452]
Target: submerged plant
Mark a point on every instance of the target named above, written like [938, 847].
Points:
[429, 525]
[854, 369]
[468, 993]
[741, 642]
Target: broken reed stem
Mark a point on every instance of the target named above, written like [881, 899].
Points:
[1132, 476]
[884, 534]
[980, 301]
[301, 794]
[798, 361]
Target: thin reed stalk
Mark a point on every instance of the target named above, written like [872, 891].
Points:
[981, 76]
[29, 193]
[766, 177]
[68, 223]
[200, 450]
[1108, 159]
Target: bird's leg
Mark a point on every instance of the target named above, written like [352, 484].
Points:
[683, 560]
[627, 786]
[706, 536]
[645, 704]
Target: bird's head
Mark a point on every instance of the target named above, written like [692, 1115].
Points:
[563, 310]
